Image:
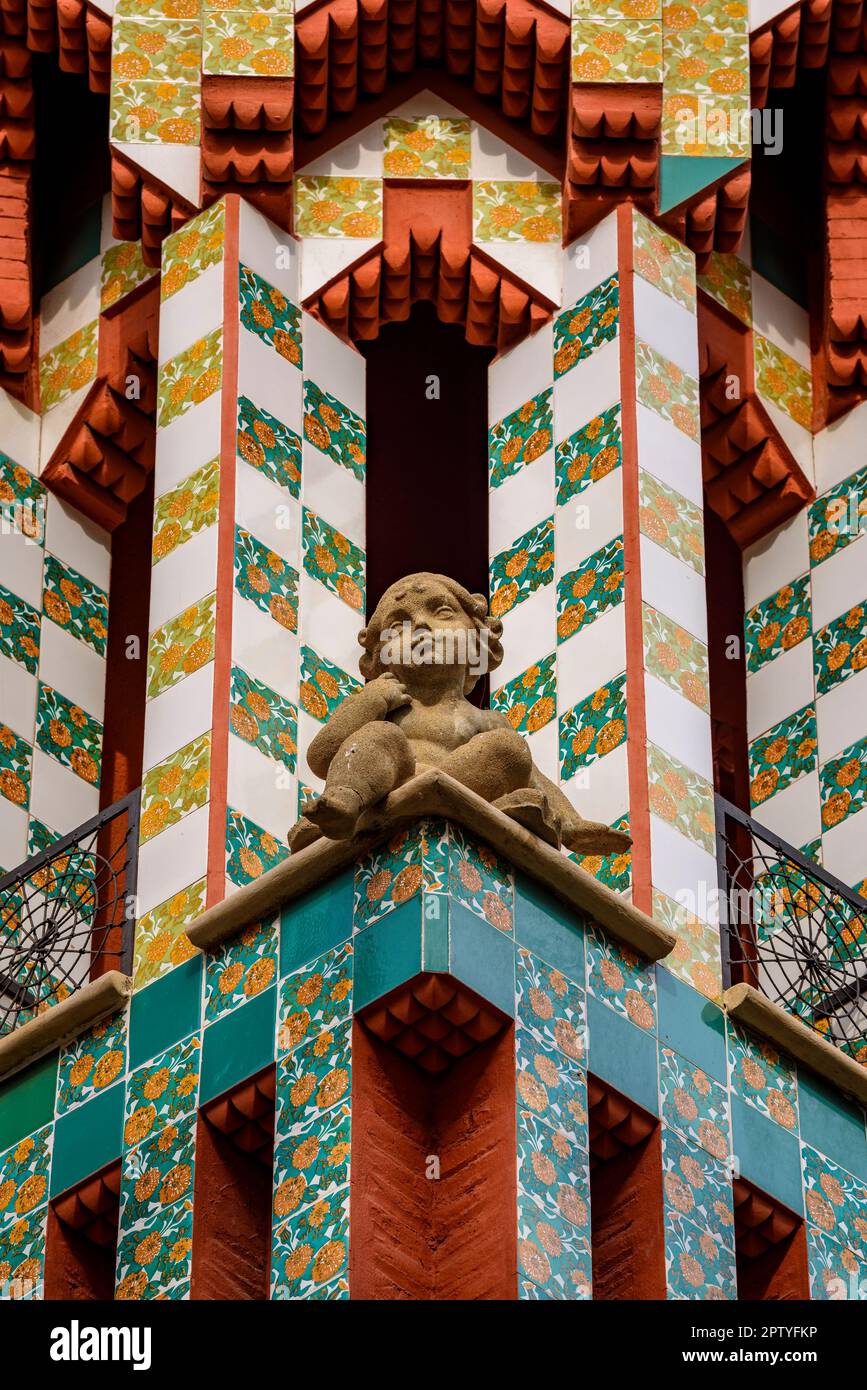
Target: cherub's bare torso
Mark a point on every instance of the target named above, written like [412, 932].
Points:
[435, 731]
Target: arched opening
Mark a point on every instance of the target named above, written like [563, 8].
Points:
[427, 472]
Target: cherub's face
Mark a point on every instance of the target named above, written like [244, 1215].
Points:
[424, 625]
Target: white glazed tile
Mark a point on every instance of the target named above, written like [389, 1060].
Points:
[779, 688]
[682, 870]
[839, 583]
[176, 166]
[13, 835]
[841, 449]
[270, 512]
[333, 492]
[670, 455]
[521, 374]
[521, 502]
[263, 790]
[324, 258]
[18, 692]
[183, 577]
[591, 386]
[73, 668]
[794, 813]
[56, 421]
[545, 750]
[601, 791]
[333, 365]
[776, 560]
[173, 860]
[678, 727]
[192, 312]
[264, 649]
[69, 306]
[178, 715]
[798, 440]
[592, 657]
[308, 728]
[841, 717]
[538, 266]
[781, 320]
[19, 432]
[58, 797]
[361, 155]
[267, 250]
[529, 633]
[269, 380]
[328, 625]
[844, 848]
[673, 588]
[189, 441]
[21, 567]
[666, 325]
[492, 158]
[590, 260]
[588, 521]
[78, 542]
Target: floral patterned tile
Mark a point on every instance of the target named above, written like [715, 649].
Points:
[840, 649]
[315, 999]
[415, 859]
[505, 210]
[589, 454]
[24, 1174]
[269, 446]
[526, 566]
[22, 1257]
[427, 147]
[779, 378]
[331, 557]
[265, 579]
[324, 685]
[154, 1257]
[614, 870]
[673, 522]
[764, 1077]
[727, 279]
[529, 702]
[587, 325]
[843, 784]
[696, 955]
[181, 646]
[191, 507]
[145, 49]
[610, 49]
[22, 501]
[175, 787]
[590, 590]
[552, 1087]
[663, 261]
[334, 429]
[550, 1007]
[91, 1063]
[258, 715]
[250, 850]
[697, 1186]
[312, 1164]
[69, 734]
[122, 269]
[838, 517]
[681, 797]
[698, 1265]
[481, 880]
[675, 657]
[163, 1091]
[553, 1214]
[620, 978]
[783, 754]
[75, 604]
[778, 623]
[693, 1104]
[520, 438]
[593, 727]
[241, 969]
[337, 207]
[835, 1272]
[187, 253]
[190, 377]
[145, 112]
[835, 1201]
[20, 627]
[310, 1250]
[161, 942]
[269, 316]
[667, 390]
[236, 42]
[312, 1079]
[69, 366]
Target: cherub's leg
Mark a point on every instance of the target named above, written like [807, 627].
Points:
[580, 835]
[366, 767]
[491, 764]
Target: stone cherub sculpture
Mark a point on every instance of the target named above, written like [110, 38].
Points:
[424, 649]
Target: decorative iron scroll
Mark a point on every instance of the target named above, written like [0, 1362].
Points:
[792, 930]
[68, 914]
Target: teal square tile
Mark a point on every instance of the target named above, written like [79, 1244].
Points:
[831, 1124]
[88, 1138]
[767, 1155]
[27, 1101]
[311, 925]
[388, 953]
[549, 928]
[238, 1045]
[435, 949]
[482, 958]
[690, 1025]
[623, 1055]
[168, 1010]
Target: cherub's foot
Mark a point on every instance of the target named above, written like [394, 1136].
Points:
[303, 833]
[335, 812]
[594, 837]
[531, 808]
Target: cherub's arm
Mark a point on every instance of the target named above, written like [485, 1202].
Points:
[372, 702]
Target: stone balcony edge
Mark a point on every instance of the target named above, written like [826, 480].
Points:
[63, 1022]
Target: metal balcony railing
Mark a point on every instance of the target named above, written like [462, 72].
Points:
[68, 914]
[791, 929]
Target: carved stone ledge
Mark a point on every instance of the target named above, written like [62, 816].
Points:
[747, 1006]
[62, 1022]
[433, 793]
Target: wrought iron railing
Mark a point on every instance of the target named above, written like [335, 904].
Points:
[68, 914]
[791, 929]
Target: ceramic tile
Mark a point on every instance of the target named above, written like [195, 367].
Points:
[579, 331]
[693, 1104]
[528, 211]
[782, 755]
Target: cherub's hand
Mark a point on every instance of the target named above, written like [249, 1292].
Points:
[390, 689]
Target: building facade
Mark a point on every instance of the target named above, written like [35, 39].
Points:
[571, 308]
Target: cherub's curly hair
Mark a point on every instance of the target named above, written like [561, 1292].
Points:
[475, 606]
